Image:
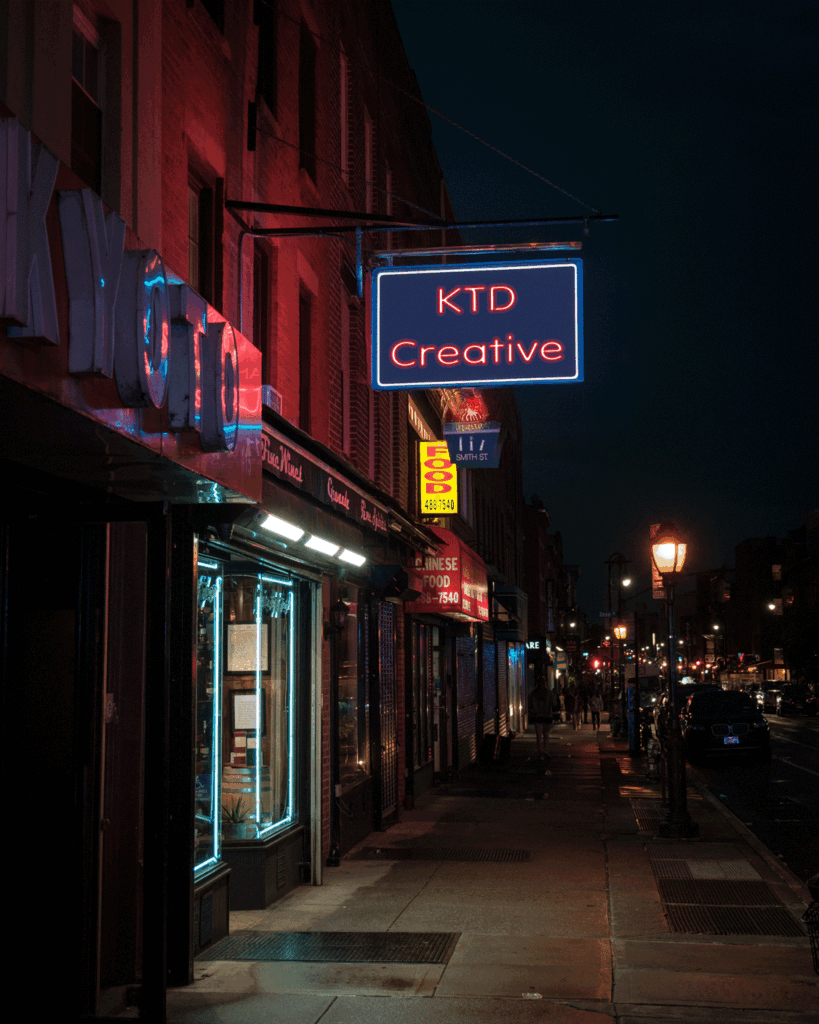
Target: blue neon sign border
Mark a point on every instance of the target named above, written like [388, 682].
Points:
[381, 272]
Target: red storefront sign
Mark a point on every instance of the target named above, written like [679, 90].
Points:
[454, 581]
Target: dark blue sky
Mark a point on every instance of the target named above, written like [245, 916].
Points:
[696, 123]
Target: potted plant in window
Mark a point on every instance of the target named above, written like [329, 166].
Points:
[235, 823]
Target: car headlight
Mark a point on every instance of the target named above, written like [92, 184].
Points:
[759, 725]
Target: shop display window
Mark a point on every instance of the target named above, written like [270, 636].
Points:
[245, 728]
[353, 703]
[257, 747]
[207, 701]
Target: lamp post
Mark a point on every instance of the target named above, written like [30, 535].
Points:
[668, 556]
[620, 561]
[620, 632]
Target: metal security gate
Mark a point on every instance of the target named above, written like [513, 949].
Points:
[388, 709]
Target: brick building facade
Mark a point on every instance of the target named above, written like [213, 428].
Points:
[216, 637]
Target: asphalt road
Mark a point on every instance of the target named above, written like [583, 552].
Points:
[779, 802]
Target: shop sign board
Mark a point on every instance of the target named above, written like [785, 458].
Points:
[438, 479]
[474, 447]
[454, 580]
[296, 467]
[486, 325]
[129, 319]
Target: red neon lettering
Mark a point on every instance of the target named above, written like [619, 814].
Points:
[549, 347]
[424, 350]
[482, 357]
[437, 488]
[493, 307]
[438, 474]
[528, 358]
[436, 464]
[443, 300]
[475, 288]
[448, 355]
[496, 346]
[394, 350]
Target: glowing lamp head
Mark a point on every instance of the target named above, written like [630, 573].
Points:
[620, 631]
[668, 550]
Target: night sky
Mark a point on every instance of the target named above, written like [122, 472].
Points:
[697, 124]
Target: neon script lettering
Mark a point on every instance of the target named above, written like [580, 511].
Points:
[407, 352]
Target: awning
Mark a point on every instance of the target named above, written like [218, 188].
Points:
[454, 581]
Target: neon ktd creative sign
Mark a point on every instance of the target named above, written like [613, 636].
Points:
[158, 339]
[481, 324]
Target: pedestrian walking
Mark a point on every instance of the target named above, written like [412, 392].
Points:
[596, 706]
[574, 705]
[541, 714]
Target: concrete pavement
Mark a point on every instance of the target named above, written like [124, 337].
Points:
[566, 908]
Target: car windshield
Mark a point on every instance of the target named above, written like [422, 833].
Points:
[720, 701]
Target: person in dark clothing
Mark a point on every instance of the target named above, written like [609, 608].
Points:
[541, 714]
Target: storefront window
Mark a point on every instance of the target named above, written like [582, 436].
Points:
[353, 704]
[257, 749]
[207, 704]
[245, 719]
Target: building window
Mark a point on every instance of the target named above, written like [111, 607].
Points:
[305, 359]
[307, 101]
[369, 163]
[266, 16]
[261, 306]
[204, 228]
[344, 116]
[86, 103]
[346, 426]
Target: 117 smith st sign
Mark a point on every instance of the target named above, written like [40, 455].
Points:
[479, 324]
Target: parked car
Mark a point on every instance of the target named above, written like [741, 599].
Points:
[727, 723]
[796, 699]
[770, 695]
[660, 709]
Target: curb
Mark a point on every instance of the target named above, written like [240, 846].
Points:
[788, 877]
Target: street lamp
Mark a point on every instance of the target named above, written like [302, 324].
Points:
[668, 555]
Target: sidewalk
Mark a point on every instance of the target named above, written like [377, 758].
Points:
[555, 901]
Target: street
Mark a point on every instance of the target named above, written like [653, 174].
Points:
[778, 802]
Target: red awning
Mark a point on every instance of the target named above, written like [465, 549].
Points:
[454, 581]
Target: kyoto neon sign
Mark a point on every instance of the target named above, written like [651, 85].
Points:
[481, 324]
[128, 319]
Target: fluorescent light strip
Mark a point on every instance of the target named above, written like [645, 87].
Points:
[282, 528]
[321, 545]
[351, 556]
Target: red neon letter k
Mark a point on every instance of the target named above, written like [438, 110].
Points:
[443, 300]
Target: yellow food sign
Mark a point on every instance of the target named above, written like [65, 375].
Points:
[439, 481]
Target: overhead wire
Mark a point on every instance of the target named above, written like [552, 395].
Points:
[417, 99]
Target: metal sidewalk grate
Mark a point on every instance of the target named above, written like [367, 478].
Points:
[704, 920]
[336, 947]
[649, 813]
[711, 889]
[451, 853]
[716, 892]
[694, 851]
[739, 870]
